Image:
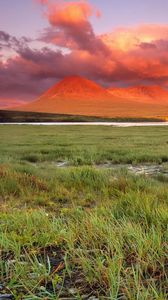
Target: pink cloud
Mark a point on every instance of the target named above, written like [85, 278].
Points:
[7, 103]
[126, 55]
[43, 2]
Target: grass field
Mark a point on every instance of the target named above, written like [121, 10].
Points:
[82, 232]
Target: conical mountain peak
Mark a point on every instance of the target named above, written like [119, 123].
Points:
[76, 86]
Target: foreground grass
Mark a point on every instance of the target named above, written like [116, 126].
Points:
[80, 232]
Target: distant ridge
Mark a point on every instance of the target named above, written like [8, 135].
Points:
[76, 95]
[151, 94]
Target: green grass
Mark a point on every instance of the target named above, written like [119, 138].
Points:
[83, 145]
[82, 232]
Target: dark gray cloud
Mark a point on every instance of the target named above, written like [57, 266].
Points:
[10, 42]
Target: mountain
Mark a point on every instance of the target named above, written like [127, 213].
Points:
[146, 94]
[76, 95]
[72, 95]
[76, 87]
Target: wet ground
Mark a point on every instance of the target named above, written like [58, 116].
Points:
[139, 169]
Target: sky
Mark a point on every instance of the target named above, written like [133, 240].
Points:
[113, 42]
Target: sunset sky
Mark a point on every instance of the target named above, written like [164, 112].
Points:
[114, 42]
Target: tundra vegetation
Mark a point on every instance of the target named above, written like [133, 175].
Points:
[77, 231]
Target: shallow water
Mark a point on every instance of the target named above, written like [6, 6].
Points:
[137, 169]
[148, 169]
[116, 124]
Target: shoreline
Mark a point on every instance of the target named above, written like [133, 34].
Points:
[115, 124]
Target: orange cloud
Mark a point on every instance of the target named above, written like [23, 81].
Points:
[71, 13]
[141, 50]
[126, 39]
[71, 28]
